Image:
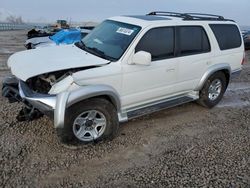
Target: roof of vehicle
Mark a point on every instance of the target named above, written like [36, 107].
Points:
[142, 20]
[170, 18]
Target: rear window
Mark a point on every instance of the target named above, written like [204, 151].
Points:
[227, 35]
[193, 40]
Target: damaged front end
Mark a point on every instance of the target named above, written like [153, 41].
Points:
[38, 93]
[38, 84]
[35, 104]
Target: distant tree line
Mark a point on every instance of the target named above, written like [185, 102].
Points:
[14, 19]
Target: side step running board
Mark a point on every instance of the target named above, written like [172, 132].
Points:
[159, 106]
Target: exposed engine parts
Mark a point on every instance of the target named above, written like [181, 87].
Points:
[43, 83]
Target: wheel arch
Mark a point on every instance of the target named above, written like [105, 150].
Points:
[224, 67]
[66, 99]
[227, 73]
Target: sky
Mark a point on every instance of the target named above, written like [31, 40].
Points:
[98, 10]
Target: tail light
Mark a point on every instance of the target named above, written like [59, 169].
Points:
[243, 59]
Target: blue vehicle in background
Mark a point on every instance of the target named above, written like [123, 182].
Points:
[63, 37]
[66, 36]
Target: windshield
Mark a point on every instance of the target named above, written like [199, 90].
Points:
[109, 40]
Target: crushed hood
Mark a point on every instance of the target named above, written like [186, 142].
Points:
[30, 63]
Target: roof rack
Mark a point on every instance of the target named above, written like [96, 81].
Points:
[205, 16]
[172, 14]
[190, 16]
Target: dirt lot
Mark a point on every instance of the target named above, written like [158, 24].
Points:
[186, 146]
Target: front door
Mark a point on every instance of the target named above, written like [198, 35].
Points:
[143, 84]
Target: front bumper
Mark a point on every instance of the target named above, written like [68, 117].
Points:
[43, 102]
[18, 91]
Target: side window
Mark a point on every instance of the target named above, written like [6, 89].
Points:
[227, 35]
[192, 40]
[159, 42]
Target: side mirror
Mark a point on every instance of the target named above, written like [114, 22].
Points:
[141, 58]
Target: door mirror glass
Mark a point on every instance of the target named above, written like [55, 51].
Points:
[142, 58]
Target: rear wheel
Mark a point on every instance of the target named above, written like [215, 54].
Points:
[91, 120]
[213, 90]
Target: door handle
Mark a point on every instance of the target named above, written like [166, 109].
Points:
[209, 62]
[170, 70]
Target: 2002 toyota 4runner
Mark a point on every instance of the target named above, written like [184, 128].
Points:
[126, 67]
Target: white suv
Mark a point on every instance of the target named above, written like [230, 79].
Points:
[127, 67]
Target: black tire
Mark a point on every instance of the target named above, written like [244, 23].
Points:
[66, 134]
[204, 99]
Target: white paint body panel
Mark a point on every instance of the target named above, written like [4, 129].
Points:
[29, 63]
[141, 82]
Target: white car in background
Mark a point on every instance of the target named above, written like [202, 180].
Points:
[63, 37]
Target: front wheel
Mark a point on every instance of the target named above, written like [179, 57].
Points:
[90, 120]
[213, 90]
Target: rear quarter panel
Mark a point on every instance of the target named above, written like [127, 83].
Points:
[233, 57]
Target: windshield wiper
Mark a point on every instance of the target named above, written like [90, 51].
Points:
[99, 53]
[80, 44]
[94, 51]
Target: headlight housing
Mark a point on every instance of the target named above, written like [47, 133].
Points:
[67, 84]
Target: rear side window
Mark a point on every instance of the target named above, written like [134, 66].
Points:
[192, 40]
[159, 42]
[227, 35]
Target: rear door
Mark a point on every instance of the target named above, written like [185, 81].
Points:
[194, 56]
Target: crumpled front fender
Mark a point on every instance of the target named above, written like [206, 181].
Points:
[69, 98]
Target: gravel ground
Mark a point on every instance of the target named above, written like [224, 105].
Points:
[186, 146]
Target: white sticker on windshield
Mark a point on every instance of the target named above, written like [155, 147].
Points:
[124, 31]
